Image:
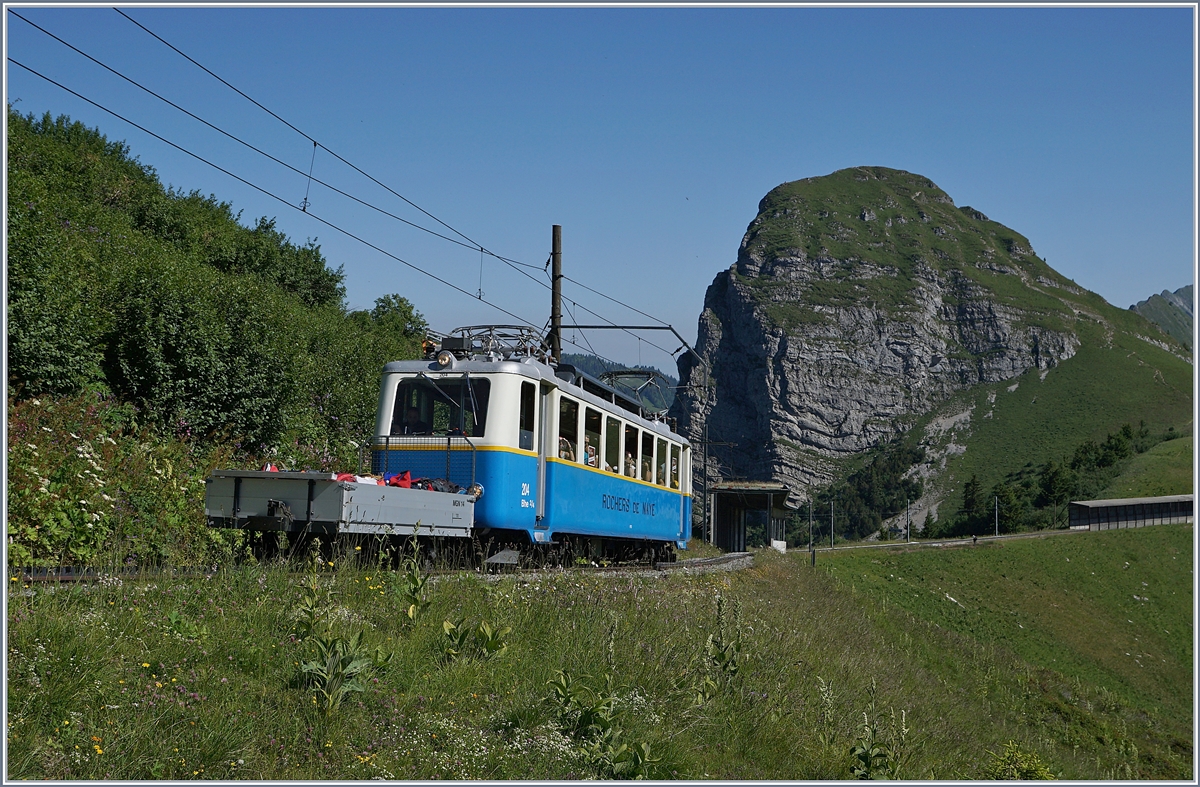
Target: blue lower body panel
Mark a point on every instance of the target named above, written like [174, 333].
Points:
[579, 500]
[588, 502]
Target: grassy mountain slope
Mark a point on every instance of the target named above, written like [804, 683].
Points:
[1166, 469]
[764, 673]
[1172, 312]
[1086, 397]
[1108, 613]
[656, 397]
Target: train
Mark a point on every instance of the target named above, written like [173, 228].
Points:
[525, 451]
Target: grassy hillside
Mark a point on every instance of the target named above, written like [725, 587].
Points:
[150, 323]
[1108, 614]
[898, 221]
[1085, 397]
[1165, 311]
[760, 674]
[1166, 469]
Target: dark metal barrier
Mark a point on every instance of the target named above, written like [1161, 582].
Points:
[451, 457]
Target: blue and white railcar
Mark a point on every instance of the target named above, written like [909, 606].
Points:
[560, 456]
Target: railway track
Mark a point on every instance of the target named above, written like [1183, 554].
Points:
[734, 561]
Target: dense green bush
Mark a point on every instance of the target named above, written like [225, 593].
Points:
[129, 296]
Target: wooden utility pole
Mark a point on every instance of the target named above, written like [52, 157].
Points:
[556, 292]
[831, 524]
[997, 499]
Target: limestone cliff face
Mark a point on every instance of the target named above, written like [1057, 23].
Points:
[859, 301]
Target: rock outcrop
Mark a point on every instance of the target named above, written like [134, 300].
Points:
[860, 301]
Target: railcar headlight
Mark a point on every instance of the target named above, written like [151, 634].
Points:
[445, 358]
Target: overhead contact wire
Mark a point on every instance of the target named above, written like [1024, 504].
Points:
[240, 141]
[258, 188]
[193, 61]
[472, 244]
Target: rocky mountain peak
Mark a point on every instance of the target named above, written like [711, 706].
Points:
[858, 302]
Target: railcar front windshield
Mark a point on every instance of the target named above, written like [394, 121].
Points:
[445, 406]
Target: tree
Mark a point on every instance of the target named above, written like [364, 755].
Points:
[396, 315]
[1011, 507]
[1057, 484]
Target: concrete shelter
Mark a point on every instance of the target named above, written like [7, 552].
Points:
[733, 500]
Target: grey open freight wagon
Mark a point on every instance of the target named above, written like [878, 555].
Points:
[317, 503]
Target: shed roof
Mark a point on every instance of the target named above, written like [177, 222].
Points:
[772, 488]
[1133, 501]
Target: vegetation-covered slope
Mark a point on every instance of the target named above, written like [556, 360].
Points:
[1171, 311]
[655, 396]
[895, 221]
[128, 297]
[759, 674]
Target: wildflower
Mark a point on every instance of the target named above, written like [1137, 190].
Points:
[145, 664]
[358, 549]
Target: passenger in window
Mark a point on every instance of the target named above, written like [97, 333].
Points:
[565, 449]
[413, 423]
[630, 465]
[589, 452]
[646, 476]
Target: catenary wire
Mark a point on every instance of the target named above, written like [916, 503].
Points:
[474, 243]
[315, 142]
[309, 176]
[240, 141]
[482, 250]
[256, 187]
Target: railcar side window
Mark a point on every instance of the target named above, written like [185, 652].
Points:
[568, 428]
[528, 391]
[660, 476]
[591, 438]
[631, 451]
[440, 406]
[612, 445]
[674, 467]
[647, 460]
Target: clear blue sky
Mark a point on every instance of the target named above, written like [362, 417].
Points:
[650, 134]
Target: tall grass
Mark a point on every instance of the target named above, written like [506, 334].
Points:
[191, 677]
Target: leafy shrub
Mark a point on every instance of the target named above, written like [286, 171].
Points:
[1013, 764]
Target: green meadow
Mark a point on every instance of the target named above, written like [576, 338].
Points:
[862, 666]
